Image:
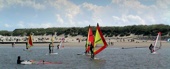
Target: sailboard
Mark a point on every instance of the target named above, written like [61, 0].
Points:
[157, 43]
[100, 42]
[52, 53]
[28, 62]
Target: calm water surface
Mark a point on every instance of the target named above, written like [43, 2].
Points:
[110, 58]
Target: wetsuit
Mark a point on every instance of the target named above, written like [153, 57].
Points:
[19, 60]
[50, 48]
[26, 46]
[57, 46]
[91, 50]
[151, 48]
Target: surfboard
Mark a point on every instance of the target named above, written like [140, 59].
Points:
[154, 53]
[26, 62]
[52, 53]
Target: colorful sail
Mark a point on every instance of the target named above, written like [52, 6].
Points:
[100, 43]
[30, 43]
[90, 39]
[158, 44]
[61, 43]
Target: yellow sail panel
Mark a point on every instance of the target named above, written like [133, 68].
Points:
[100, 43]
[98, 39]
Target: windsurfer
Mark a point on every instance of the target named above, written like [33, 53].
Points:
[50, 48]
[26, 46]
[13, 43]
[19, 61]
[151, 48]
[91, 50]
[58, 46]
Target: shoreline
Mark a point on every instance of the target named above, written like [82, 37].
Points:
[82, 44]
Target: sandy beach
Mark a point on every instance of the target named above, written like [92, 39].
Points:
[80, 41]
[72, 42]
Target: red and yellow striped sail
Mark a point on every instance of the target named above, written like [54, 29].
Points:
[30, 43]
[90, 38]
[100, 43]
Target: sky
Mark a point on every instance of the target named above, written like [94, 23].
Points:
[16, 14]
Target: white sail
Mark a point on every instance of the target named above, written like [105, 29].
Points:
[157, 44]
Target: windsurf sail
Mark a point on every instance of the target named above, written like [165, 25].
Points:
[157, 44]
[29, 42]
[90, 39]
[61, 43]
[100, 43]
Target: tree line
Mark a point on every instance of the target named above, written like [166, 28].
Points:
[108, 31]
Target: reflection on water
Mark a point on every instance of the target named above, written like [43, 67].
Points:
[111, 58]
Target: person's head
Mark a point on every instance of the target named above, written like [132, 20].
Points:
[19, 57]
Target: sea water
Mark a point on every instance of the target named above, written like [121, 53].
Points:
[110, 58]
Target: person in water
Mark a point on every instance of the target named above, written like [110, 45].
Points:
[91, 50]
[13, 43]
[58, 46]
[50, 48]
[19, 60]
[26, 46]
[151, 48]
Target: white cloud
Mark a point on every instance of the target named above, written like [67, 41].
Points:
[164, 4]
[1, 4]
[59, 19]
[35, 25]
[68, 8]
[90, 6]
[29, 3]
[7, 25]
[128, 20]
[21, 24]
